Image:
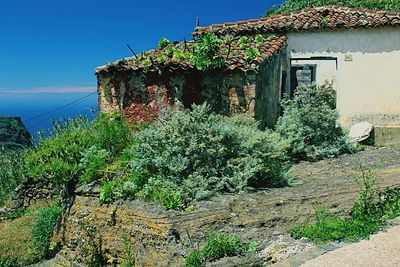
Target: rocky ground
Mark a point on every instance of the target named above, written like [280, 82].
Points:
[163, 238]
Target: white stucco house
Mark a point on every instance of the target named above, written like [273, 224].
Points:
[357, 50]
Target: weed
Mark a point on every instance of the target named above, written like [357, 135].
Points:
[366, 217]
[92, 248]
[218, 246]
[129, 257]
[42, 229]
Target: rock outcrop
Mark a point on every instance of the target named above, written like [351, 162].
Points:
[13, 134]
[157, 237]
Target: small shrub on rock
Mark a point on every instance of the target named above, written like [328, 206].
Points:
[217, 246]
[197, 153]
[309, 123]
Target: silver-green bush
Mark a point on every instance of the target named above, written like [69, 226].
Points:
[198, 153]
[309, 123]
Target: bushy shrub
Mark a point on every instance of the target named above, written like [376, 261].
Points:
[43, 227]
[197, 153]
[11, 171]
[57, 157]
[309, 123]
[80, 150]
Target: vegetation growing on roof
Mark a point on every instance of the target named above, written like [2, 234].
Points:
[207, 52]
[294, 5]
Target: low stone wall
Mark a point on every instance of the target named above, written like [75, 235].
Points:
[31, 191]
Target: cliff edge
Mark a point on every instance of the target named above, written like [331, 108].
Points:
[13, 134]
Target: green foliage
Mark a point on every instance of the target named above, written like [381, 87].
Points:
[197, 153]
[195, 258]
[163, 192]
[205, 54]
[252, 53]
[366, 216]
[42, 229]
[223, 245]
[14, 214]
[129, 258]
[11, 171]
[309, 123]
[217, 246]
[163, 43]
[294, 5]
[390, 202]
[8, 262]
[93, 162]
[57, 157]
[79, 150]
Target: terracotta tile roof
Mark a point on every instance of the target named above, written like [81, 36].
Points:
[329, 17]
[235, 58]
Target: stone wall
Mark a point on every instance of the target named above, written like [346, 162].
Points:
[230, 92]
[31, 191]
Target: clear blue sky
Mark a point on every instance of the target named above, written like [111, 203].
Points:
[53, 46]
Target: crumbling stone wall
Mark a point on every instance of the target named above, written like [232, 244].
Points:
[31, 191]
[143, 96]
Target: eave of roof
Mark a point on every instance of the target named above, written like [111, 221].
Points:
[329, 17]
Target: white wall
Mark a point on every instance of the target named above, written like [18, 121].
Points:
[367, 79]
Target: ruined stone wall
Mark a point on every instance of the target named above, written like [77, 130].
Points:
[139, 97]
[269, 90]
[30, 191]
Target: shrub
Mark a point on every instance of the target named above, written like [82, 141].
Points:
[57, 157]
[223, 245]
[42, 229]
[93, 162]
[197, 153]
[366, 217]
[390, 202]
[79, 150]
[309, 123]
[215, 247]
[11, 171]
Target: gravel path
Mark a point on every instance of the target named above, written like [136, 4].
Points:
[382, 249]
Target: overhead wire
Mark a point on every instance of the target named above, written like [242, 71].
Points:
[60, 108]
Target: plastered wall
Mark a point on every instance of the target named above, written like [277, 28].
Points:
[367, 78]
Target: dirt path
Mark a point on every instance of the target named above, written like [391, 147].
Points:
[382, 249]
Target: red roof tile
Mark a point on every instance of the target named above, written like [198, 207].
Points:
[330, 17]
[236, 59]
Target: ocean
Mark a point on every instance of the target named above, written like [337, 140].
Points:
[38, 110]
